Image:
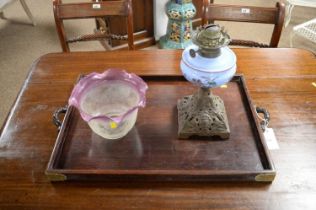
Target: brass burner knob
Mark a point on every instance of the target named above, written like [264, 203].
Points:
[210, 39]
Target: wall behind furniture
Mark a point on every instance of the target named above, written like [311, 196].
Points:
[160, 18]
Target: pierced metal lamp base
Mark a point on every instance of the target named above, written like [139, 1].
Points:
[202, 114]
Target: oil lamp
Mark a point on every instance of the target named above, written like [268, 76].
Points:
[208, 63]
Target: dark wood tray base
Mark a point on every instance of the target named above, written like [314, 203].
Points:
[152, 151]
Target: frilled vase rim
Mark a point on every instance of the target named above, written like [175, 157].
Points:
[108, 75]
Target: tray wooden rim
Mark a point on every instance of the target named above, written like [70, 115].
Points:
[266, 175]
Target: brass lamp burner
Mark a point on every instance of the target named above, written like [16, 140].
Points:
[210, 39]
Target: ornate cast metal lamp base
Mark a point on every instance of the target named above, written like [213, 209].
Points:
[202, 114]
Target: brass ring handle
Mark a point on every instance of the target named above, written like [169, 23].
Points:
[266, 117]
[56, 115]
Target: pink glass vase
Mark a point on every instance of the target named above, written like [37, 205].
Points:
[109, 101]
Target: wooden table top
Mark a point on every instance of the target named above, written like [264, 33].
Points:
[280, 80]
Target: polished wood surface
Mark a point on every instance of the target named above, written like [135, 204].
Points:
[242, 13]
[280, 80]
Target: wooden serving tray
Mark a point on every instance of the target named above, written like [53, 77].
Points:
[151, 151]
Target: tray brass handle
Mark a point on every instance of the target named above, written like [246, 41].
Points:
[56, 115]
[266, 117]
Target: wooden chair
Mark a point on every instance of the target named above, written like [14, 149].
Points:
[93, 10]
[238, 13]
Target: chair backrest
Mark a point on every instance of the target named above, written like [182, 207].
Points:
[92, 10]
[238, 13]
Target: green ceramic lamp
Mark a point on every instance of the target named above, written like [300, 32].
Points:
[180, 14]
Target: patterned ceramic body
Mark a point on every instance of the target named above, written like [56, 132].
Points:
[109, 102]
[208, 72]
[180, 14]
